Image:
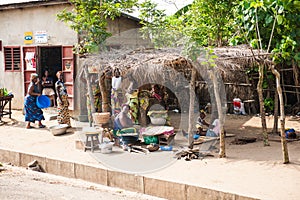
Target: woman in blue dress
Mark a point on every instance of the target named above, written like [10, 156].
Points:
[32, 112]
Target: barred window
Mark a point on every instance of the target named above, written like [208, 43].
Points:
[12, 58]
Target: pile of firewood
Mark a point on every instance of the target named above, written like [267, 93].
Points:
[189, 154]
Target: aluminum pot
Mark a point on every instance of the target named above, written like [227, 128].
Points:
[59, 129]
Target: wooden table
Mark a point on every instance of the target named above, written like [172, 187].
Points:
[3, 102]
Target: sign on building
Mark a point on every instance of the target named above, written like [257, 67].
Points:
[28, 38]
[41, 37]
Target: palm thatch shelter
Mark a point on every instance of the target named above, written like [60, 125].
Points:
[235, 67]
[168, 67]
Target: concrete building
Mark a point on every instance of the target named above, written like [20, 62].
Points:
[32, 40]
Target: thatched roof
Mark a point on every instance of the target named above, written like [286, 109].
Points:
[150, 65]
[239, 56]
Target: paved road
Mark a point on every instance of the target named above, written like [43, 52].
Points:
[19, 183]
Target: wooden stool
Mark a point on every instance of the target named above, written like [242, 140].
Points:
[94, 141]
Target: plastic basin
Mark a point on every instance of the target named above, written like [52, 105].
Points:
[43, 101]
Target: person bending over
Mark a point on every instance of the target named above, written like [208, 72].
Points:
[123, 120]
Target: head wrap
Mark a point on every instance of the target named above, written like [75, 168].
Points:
[203, 112]
[33, 76]
[58, 74]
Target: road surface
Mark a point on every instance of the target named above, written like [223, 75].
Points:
[20, 183]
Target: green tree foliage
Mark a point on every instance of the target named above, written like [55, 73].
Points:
[206, 23]
[89, 19]
[230, 22]
[276, 21]
[209, 22]
[157, 26]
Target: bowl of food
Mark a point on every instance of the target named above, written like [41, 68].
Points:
[59, 129]
[158, 121]
[158, 117]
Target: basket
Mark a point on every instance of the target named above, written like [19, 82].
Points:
[101, 118]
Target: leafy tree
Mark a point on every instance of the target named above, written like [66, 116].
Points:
[194, 21]
[209, 22]
[272, 25]
[89, 20]
[269, 25]
[157, 26]
[280, 19]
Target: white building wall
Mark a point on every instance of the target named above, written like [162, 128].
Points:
[13, 24]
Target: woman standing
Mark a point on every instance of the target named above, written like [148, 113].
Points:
[47, 83]
[63, 116]
[116, 92]
[32, 112]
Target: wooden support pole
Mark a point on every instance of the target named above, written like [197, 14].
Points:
[296, 79]
[90, 93]
[282, 117]
[191, 108]
[104, 92]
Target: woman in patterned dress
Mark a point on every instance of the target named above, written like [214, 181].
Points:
[32, 112]
[117, 97]
[63, 116]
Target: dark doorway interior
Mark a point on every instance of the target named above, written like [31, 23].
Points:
[51, 60]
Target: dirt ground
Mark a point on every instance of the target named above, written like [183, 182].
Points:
[249, 126]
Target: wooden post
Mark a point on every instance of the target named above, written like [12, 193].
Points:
[143, 117]
[262, 105]
[104, 95]
[91, 95]
[296, 79]
[283, 87]
[191, 108]
[275, 125]
[222, 153]
[282, 117]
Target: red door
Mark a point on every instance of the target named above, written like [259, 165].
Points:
[68, 71]
[29, 56]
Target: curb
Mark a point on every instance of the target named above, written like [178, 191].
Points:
[126, 181]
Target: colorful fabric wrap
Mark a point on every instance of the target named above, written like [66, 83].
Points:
[32, 112]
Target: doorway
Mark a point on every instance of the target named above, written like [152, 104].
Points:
[53, 59]
[50, 58]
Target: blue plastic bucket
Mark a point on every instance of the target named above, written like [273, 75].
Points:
[43, 101]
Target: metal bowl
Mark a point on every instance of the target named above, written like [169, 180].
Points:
[158, 121]
[59, 129]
